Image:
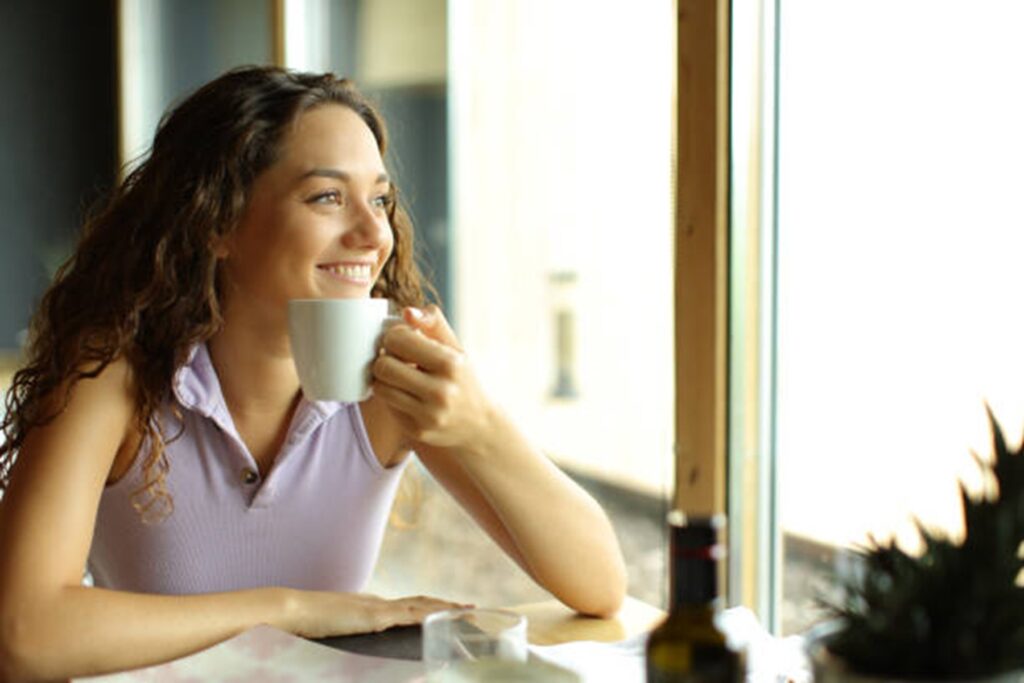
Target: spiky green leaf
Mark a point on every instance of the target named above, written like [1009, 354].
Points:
[953, 611]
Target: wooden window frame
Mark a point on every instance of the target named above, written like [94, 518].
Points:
[701, 255]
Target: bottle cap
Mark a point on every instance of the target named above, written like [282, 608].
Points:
[695, 532]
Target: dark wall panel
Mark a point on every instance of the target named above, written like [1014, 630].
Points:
[58, 139]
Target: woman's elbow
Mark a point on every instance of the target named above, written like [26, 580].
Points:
[603, 595]
[606, 608]
[603, 606]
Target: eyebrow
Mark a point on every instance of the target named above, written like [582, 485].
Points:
[339, 175]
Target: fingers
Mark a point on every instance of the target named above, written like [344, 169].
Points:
[339, 614]
[413, 610]
[404, 376]
[402, 401]
[417, 420]
[409, 345]
[431, 321]
[428, 384]
[422, 403]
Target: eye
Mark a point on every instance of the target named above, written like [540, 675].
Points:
[327, 197]
[382, 201]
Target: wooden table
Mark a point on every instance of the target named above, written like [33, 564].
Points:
[551, 622]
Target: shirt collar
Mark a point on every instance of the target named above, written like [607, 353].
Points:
[197, 388]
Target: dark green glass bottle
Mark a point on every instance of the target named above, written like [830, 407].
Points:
[688, 645]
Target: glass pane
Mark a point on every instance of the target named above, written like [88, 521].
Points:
[753, 540]
[899, 242]
[562, 227]
[170, 47]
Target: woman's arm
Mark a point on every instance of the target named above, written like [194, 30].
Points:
[537, 514]
[52, 627]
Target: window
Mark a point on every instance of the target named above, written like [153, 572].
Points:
[167, 49]
[888, 286]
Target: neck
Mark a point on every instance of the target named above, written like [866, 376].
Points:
[254, 366]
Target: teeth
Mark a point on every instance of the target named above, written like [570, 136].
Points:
[360, 272]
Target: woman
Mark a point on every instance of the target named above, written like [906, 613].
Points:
[158, 435]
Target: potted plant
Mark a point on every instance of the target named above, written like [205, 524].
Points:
[955, 611]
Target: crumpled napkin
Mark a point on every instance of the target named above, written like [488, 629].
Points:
[618, 662]
[769, 659]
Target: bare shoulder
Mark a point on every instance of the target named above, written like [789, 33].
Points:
[108, 396]
[117, 376]
[113, 382]
[92, 418]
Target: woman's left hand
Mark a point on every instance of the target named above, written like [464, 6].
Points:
[422, 374]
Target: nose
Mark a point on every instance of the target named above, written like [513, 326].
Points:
[368, 227]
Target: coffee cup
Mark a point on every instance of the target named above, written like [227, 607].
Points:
[333, 343]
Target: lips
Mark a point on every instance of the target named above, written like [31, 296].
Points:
[358, 273]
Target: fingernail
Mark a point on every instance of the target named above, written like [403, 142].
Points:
[416, 313]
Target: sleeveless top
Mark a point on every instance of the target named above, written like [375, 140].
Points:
[315, 522]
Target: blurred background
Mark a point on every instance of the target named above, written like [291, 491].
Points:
[875, 239]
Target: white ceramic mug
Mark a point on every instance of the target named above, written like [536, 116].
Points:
[333, 342]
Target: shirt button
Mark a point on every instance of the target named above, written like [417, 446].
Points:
[250, 476]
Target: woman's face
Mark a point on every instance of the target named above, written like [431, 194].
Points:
[316, 224]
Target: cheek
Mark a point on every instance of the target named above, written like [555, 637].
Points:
[269, 254]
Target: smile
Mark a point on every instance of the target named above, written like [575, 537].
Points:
[359, 273]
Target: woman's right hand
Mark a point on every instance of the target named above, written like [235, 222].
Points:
[322, 615]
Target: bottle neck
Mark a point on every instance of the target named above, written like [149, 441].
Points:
[693, 577]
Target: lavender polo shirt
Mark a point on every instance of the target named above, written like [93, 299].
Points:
[315, 522]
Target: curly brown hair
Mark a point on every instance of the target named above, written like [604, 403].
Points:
[142, 283]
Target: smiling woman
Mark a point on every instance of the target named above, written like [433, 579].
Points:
[159, 430]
